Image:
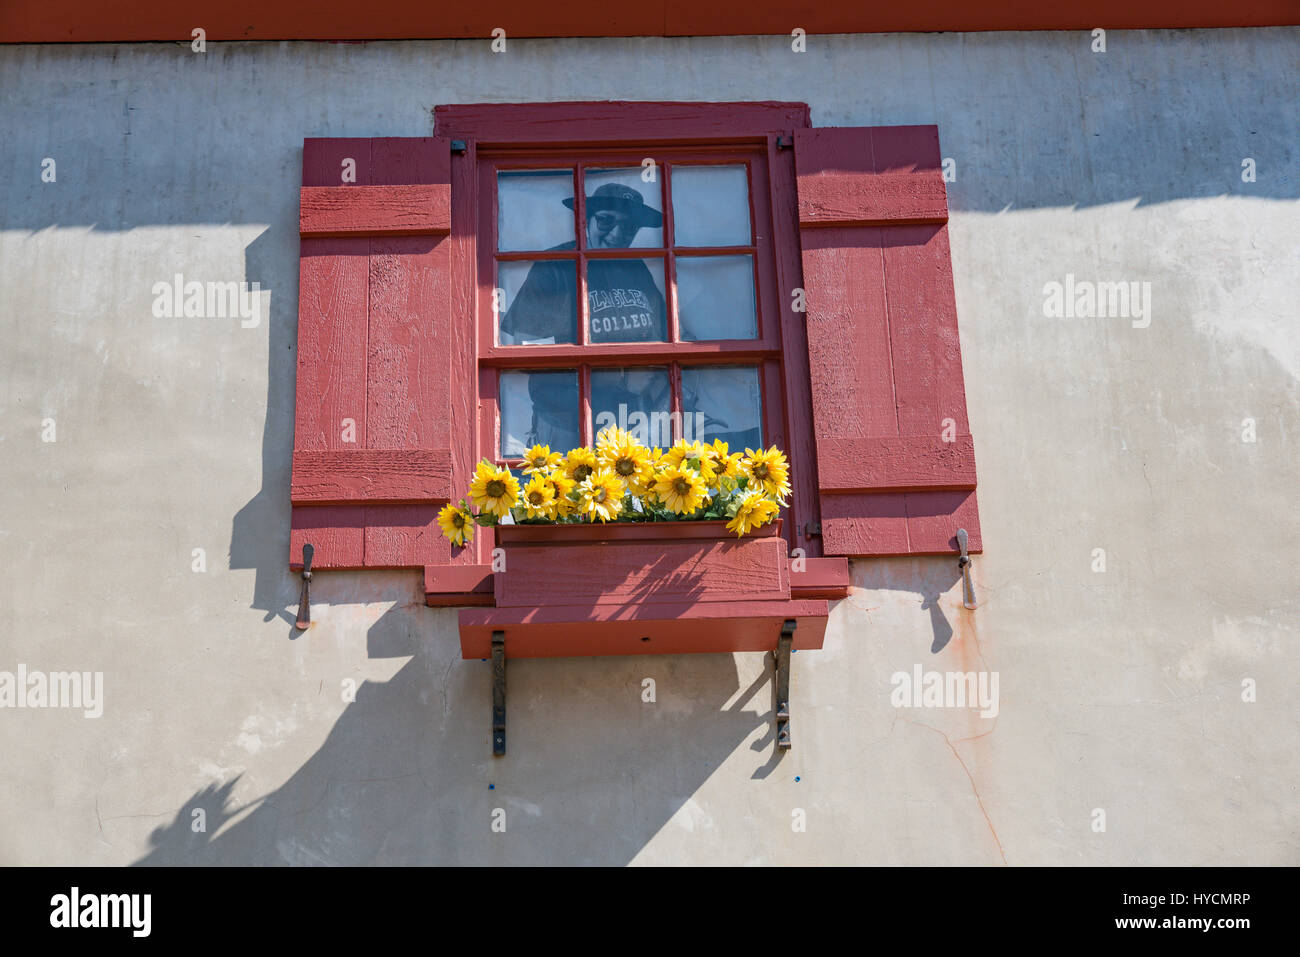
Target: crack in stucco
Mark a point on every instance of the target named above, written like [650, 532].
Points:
[970, 777]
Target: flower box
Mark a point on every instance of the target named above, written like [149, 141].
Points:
[645, 562]
[625, 532]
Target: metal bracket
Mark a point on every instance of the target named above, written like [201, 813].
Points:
[498, 693]
[812, 528]
[785, 142]
[783, 684]
[304, 598]
[967, 587]
[459, 146]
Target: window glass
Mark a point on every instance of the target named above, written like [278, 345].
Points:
[625, 300]
[623, 210]
[538, 408]
[710, 206]
[636, 400]
[722, 402]
[715, 297]
[539, 302]
[534, 209]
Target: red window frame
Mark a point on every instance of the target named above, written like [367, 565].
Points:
[762, 352]
[486, 137]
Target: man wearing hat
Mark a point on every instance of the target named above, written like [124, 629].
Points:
[624, 303]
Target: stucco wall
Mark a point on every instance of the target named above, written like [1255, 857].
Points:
[1119, 690]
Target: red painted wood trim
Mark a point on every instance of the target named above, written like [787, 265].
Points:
[897, 464]
[393, 476]
[862, 176]
[368, 536]
[650, 573]
[840, 200]
[899, 523]
[602, 123]
[336, 533]
[821, 578]
[884, 351]
[452, 586]
[408, 210]
[448, 579]
[801, 446]
[85, 21]
[627, 532]
[571, 631]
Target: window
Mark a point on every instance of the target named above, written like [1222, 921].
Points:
[633, 287]
[525, 276]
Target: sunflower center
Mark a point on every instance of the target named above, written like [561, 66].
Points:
[536, 497]
[581, 472]
[760, 471]
[681, 486]
[458, 520]
[496, 488]
[602, 494]
[625, 467]
[539, 461]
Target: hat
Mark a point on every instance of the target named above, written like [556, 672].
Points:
[624, 198]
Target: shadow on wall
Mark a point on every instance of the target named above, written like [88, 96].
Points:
[259, 535]
[406, 775]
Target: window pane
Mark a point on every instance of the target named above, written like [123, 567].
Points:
[625, 300]
[716, 297]
[623, 209]
[710, 206]
[723, 402]
[534, 209]
[538, 408]
[636, 400]
[539, 302]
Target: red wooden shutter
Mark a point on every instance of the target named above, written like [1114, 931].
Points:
[374, 437]
[895, 459]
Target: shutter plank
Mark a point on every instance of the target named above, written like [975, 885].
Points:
[884, 351]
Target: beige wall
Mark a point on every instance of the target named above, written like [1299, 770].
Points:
[1118, 690]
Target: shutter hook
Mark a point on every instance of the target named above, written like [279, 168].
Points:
[967, 588]
[304, 599]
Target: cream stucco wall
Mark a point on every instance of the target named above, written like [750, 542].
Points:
[1118, 690]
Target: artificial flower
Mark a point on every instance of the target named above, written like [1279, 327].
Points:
[540, 458]
[494, 489]
[602, 495]
[767, 471]
[680, 488]
[753, 509]
[457, 524]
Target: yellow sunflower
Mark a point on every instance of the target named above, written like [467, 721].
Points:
[457, 524]
[680, 488]
[562, 485]
[540, 458]
[753, 510]
[602, 495]
[768, 471]
[682, 453]
[494, 489]
[579, 463]
[726, 464]
[624, 455]
[539, 497]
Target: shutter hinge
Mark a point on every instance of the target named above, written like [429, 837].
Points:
[785, 142]
[812, 528]
[459, 146]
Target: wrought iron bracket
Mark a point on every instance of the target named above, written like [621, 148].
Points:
[304, 597]
[498, 693]
[783, 684]
[967, 586]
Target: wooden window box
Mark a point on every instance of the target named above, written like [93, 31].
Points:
[640, 588]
